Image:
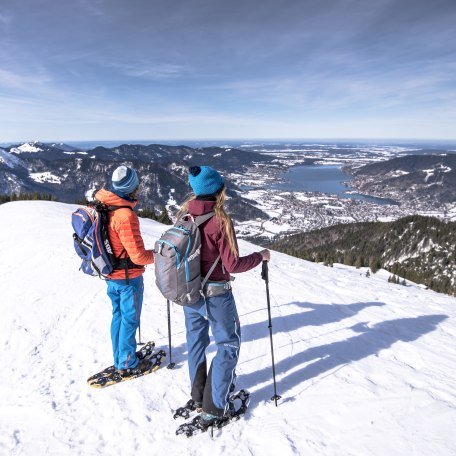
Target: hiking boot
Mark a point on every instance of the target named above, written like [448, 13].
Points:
[208, 419]
[198, 406]
[192, 406]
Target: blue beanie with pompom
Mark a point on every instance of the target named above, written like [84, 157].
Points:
[125, 180]
[204, 180]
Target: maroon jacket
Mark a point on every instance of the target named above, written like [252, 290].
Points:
[215, 242]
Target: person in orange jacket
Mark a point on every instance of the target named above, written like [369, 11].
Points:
[125, 285]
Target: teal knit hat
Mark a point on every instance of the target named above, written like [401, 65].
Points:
[204, 180]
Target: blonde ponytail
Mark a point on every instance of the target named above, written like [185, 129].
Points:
[221, 215]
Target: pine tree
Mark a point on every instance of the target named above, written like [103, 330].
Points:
[81, 202]
[35, 196]
[359, 262]
[374, 265]
[348, 259]
[164, 217]
[146, 212]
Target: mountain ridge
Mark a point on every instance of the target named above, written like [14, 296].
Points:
[73, 175]
[411, 177]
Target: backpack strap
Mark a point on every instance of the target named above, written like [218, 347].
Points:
[210, 272]
[199, 219]
[99, 206]
[114, 208]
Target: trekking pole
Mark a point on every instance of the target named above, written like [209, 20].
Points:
[171, 364]
[265, 277]
[140, 343]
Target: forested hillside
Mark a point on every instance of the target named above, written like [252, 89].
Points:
[417, 248]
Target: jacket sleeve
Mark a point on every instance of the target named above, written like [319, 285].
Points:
[234, 264]
[131, 239]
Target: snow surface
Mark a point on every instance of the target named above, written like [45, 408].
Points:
[364, 367]
[398, 173]
[47, 176]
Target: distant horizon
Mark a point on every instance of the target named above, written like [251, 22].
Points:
[269, 141]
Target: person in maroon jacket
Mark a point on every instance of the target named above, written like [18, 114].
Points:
[217, 308]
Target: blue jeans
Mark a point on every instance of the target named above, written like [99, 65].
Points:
[126, 312]
[220, 314]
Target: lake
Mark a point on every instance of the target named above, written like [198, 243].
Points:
[322, 178]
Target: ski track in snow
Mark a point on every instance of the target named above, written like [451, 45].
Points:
[364, 367]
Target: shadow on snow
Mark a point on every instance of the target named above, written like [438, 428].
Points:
[327, 357]
[324, 358]
[317, 315]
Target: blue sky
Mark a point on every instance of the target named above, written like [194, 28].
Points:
[202, 69]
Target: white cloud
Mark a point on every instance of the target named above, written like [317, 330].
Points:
[14, 80]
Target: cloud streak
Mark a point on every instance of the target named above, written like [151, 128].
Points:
[10, 79]
[148, 70]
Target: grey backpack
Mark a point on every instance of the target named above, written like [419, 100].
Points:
[178, 261]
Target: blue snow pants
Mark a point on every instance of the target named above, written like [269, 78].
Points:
[219, 313]
[126, 312]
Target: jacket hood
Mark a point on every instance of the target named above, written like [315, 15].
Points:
[111, 199]
[199, 207]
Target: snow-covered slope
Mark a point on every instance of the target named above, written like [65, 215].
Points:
[364, 367]
[10, 160]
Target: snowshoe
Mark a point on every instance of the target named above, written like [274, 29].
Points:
[145, 351]
[187, 410]
[146, 366]
[198, 424]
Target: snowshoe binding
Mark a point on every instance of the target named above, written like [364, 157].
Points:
[187, 410]
[198, 424]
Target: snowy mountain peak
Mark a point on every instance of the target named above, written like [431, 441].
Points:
[64, 147]
[29, 147]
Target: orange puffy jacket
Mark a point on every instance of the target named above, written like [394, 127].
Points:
[124, 234]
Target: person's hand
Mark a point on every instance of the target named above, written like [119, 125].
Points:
[266, 254]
